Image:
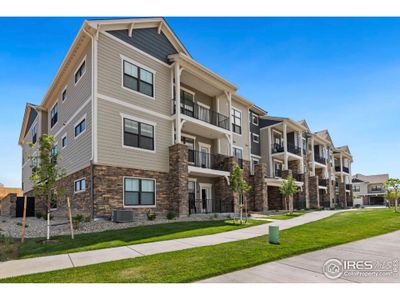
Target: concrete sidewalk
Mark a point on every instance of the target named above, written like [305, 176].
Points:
[63, 261]
[308, 268]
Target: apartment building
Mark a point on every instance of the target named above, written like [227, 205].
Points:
[140, 125]
[369, 189]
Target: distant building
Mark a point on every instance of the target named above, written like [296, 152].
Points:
[4, 191]
[369, 189]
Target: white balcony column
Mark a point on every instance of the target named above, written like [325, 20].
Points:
[177, 103]
[312, 157]
[269, 145]
[341, 166]
[285, 153]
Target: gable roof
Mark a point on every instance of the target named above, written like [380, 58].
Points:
[344, 149]
[30, 114]
[378, 178]
[324, 134]
[305, 124]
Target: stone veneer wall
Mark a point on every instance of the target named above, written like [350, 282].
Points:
[8, 205]
[313, 191]
[260, 188]
[275, 200]
[342, 201]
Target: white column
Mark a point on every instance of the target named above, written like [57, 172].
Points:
[177, 104]
[312, 157]
[285, 155]
[269, 145]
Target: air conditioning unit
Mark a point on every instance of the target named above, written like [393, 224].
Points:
[122, 216]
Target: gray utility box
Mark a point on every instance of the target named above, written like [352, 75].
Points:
[122, 216]
[273, 234]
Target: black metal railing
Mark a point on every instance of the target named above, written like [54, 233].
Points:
[293, 149]
[240, 162]
[206, 160]
[337, 169]
[299, 204]
[199, 112]
[297, 177]
[325, 204]
[277, 148]
[323, 182]
[208, 206]
[320, 159]
[346, 169]
[278, 173]
[375, 190]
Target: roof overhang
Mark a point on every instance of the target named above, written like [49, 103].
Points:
[28, 108]
[188, 64]
[289, 121]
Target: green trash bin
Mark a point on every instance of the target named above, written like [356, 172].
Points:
[273, 234]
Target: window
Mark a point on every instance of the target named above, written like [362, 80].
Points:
[254, 119]
[138, 135]
[356, 188]
[64, 95]
[34, 164]
[34, 134]
[237, 152]
[138, 79]
[256, 138]
[236, 121]
[139, 192]
[64, 141]
[278, 169]
[187, 104]
[80, 72]
[54, 115]
[80, 185]
[254, 162]
[80, 128]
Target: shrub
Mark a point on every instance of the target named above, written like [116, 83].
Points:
[357, 206]
[20, 224]
[171, 215]
[76, 220]
[39, 215]
[151, 215]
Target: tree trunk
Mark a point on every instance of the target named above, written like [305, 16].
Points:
[395, 205]
[291, 204]
[48, 216]
[241, 208]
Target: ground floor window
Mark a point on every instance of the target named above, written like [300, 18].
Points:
[139, 192]
[80, 185]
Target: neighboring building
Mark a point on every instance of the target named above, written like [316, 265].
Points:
[5, 191]
[369, 189]
[124, 145]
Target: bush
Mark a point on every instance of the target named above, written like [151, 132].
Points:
[357, 206]
[20, 224]
[151, 215]
[171, 215]
[39, 215]
[76, 220]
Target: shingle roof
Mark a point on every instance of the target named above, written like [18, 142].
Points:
[379, 178]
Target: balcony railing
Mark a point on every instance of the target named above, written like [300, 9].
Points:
[207, 206]
[206, 160]
[192, 109]
[297, 176]
[299, 204]
[277, 148]
[346, 169]
[278, 173]
[320, 159]
[323, 182]
[376, 190]
[348, 186]
[294, 149]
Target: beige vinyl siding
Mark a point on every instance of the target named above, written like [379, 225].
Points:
[76, 94]
[110, 139]
[78, 152]
[242, 140]
[110, 76]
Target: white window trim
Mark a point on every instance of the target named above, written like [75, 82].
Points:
[34, 125]
[81, 191]
[203, 105]
[252, 138]
[195, 186]
[76, 70]
[252, 165]
[257, 118]
[62, 92]
[65, 135]
[58, 110]
[241, 120]
[189, 136]
[237, 147]
[140, 66]
[76, 124]
[188, 91]
[133, 118]
[139, 206]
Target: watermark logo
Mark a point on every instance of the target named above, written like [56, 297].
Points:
[335, 268]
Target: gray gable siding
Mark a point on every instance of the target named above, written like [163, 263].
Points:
[149, 41]
[255, 147]
[32, 117]
[265, 122]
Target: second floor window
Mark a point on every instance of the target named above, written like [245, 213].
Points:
[236, 121]
[80, 128]
[356, 188]
[54, 115]
[64, 141]
[254, 119]
[64, 95]
[138, 134]
[138, 79]
[34, 134]
[256, 138]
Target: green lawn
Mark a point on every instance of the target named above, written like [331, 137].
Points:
[285, 216]
[129, 236]
[198, 263]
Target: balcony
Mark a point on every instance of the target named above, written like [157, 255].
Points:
[297, 177]
[206, 160]
[294, 149]
[207, 206]
[319, 159]
[192, 109]
[323, 182]
[376, 190]
[345, 169]
[277, 148]
[278, 173]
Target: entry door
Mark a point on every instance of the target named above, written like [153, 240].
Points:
[206, 199]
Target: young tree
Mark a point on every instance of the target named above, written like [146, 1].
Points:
[239, 185]
[46, 173]
[288, 188]
[393, 191]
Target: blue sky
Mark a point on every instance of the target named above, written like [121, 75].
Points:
[342, 74]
